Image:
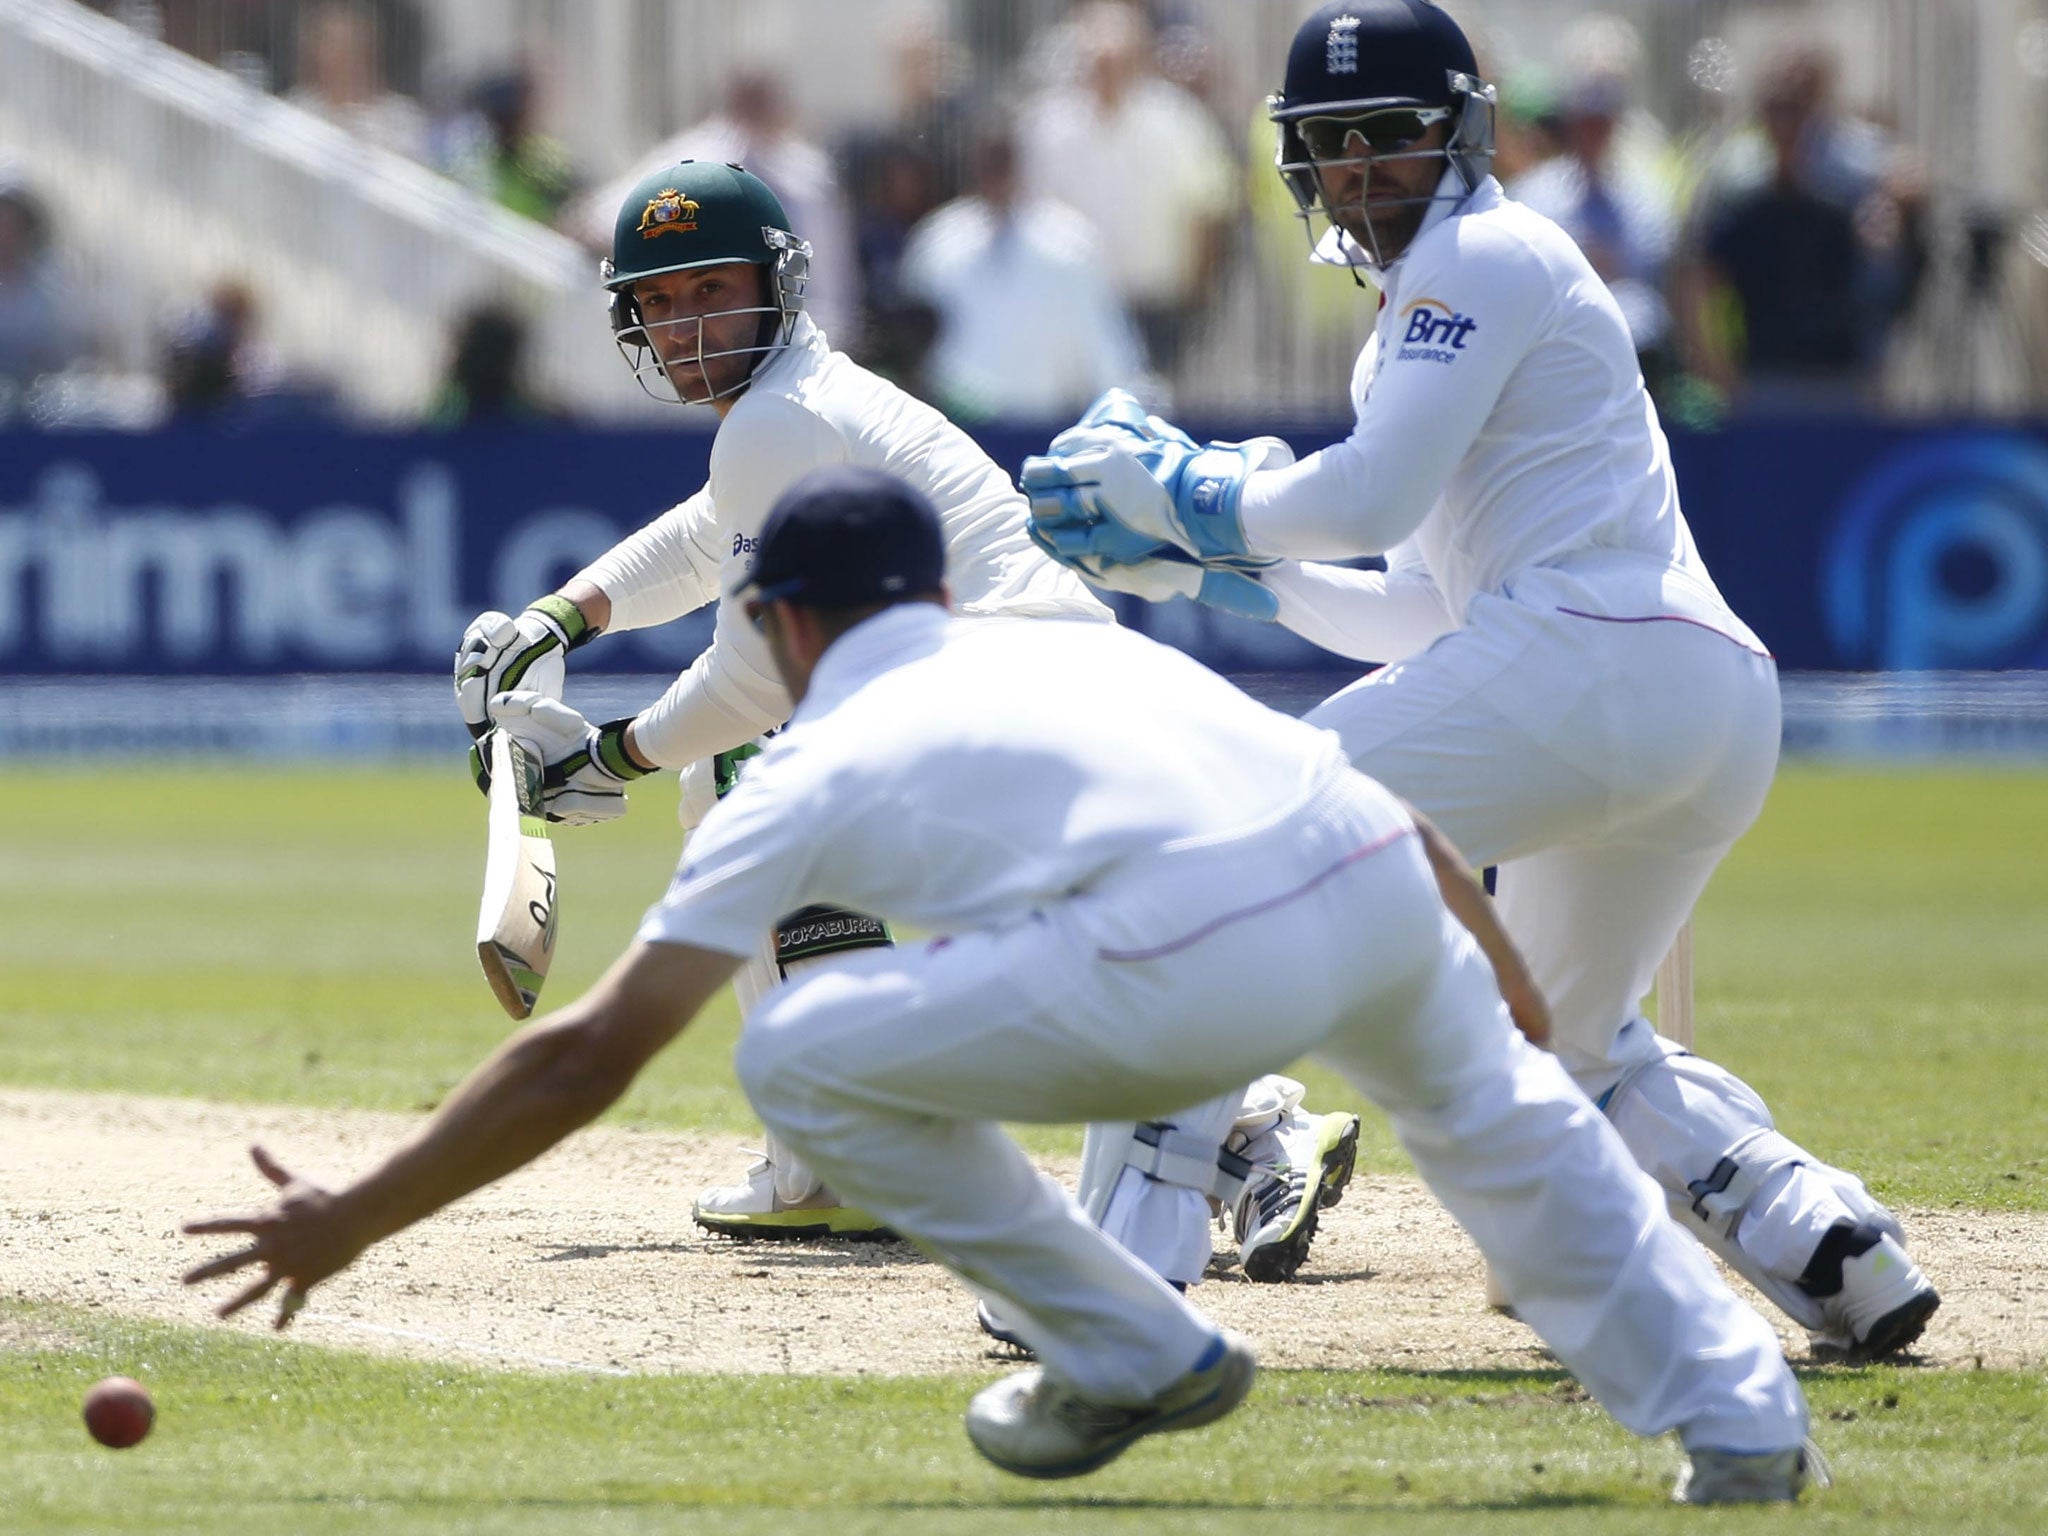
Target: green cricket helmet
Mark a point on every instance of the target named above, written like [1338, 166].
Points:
[702, 214]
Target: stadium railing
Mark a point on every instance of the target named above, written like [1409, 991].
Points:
[168, 176]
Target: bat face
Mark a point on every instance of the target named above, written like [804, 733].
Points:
[515, 925]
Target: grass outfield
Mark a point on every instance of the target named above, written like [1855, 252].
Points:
[292, 1439]
[1872, 958]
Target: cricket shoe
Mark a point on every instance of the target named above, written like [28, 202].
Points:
[1002, 1332]
[1748, 1477]
[1875, 1299]
[992, 1324]
[756, 1209]
[1034, 1426]
[1308, 1160]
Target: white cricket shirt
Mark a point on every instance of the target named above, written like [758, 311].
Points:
[958, 774]
[811, 406]
[1502, 425]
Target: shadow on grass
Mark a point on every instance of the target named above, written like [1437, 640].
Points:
[1552, 1383]
[680, 1498]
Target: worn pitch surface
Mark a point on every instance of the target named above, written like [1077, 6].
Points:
[589, 1259]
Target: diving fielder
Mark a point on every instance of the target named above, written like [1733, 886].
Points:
[1571, 698]
[1126, 858]
[707, 285]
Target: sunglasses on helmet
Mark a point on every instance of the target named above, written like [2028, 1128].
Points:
[1387, 131]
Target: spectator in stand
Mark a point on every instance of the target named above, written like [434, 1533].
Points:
[211, 359]
[217, 368]
[1839, 156]
[1185, 58]
[900, 169]
[40, 331]
[1602, 46]
[898, 185]
[1527, 128]
[263, 42]
[1029, 326]
[500, 152]
[1818, 244]
[340, 78]
[1146, 165]
[486, 380]
[1621, 217]
[933, 113]
[754, 129]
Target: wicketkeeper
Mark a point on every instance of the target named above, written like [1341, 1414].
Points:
[1569, 696]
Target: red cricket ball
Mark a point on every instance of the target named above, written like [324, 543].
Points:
[118, 1412]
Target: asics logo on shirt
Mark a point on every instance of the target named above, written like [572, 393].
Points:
[1436, 333]
[744, 544]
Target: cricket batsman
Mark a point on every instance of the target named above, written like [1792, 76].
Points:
[1570, 697]
[707, 291]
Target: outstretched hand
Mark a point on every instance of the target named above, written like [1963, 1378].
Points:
[300, 1241]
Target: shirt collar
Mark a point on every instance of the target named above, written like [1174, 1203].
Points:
[805, 341]
[892, 638]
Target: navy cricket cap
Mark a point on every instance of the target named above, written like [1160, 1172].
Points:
[844, 536]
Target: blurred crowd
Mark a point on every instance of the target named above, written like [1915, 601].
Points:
[1761, 266]
[1009, 253]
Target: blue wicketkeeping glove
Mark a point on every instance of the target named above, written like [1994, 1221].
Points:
[1192, 500]
[1117, 417]
[1100, 513]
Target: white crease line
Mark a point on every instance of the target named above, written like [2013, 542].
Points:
[421, 1337]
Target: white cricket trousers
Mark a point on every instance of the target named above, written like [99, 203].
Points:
[1606, 765]
[891, 1071]
[1604, 733]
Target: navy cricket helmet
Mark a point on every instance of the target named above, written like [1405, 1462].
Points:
[1366, 81]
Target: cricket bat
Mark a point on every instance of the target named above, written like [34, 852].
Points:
[1674, 990]
[515, 925]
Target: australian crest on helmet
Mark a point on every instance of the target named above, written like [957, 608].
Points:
[668, 212]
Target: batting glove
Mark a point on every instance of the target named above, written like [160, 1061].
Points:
[501, 654]
[585, 767]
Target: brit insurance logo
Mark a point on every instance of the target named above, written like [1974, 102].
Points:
[1435, 333]
[1939, 558]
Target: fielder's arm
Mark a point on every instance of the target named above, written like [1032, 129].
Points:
[544, 1082]
[1470, 905]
